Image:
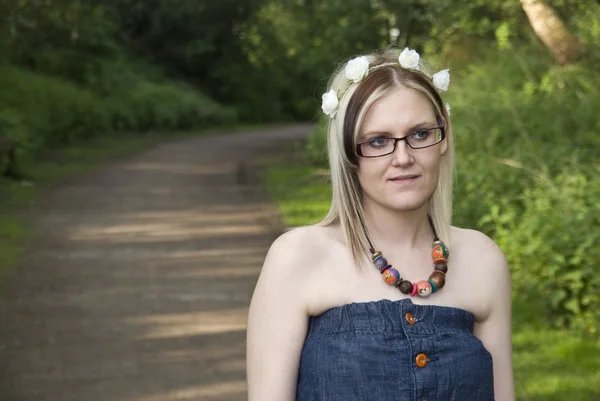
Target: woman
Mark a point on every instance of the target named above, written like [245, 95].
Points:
[354, 308]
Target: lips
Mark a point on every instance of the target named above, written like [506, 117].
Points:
[406, 177]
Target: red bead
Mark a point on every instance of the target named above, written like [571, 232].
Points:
[391, 276]
[437, 252]
[414, 290]
[424, 289]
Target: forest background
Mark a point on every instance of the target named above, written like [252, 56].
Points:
[524, 103]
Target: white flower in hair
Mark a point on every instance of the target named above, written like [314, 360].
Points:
[357, 69]
[448, 108]
[330, 103]
[409, 59]
[441, 80]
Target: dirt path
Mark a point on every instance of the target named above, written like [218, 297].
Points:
[138, 286]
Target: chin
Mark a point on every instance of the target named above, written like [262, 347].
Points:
[401, 202]
[406, 207]
[407, 203]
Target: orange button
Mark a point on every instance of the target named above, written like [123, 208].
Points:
[421, 360]
[409, 318]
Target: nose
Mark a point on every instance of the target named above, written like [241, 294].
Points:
[403, 154]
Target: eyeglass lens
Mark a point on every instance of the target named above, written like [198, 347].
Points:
[380, 146]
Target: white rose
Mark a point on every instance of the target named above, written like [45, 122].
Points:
[448, 108]
[409, 59]
[330, 103]
[441, 80]
[357, 69]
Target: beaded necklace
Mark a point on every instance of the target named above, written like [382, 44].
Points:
[423, 288]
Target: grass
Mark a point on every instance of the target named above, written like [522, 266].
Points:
[18, 198]
[549, 364]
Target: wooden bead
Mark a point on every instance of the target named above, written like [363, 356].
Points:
[391, 276]
[380, 263]
[439, 260]
[441, 267]
[423, 288]
[433, 286]
[440, 247]
[405, 287]
[414, 290]
[438, 278]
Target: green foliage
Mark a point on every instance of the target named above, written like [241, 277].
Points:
[41, 112]
[38, 111]
[62, 38]
[527, 164]
[580, 16]
[550, 236]
[166, 106]
[72, 74]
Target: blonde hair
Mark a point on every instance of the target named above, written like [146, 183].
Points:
[385, 75]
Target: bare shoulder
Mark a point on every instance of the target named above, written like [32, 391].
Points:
[299, 246]
[473, 244]
[292, 262]
[483, 269]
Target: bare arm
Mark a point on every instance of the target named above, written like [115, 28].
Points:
[277, 322]
[495, 331]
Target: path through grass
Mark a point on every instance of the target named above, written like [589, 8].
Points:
[18, 198]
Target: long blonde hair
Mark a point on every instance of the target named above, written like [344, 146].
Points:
[385, 75]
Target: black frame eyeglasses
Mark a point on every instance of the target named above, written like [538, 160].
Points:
[408, 138]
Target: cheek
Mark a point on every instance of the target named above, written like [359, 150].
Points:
[432, 164]
[370, 173]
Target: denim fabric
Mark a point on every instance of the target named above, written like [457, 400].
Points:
[367, 351]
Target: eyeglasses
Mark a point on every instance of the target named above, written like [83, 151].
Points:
[382, 145]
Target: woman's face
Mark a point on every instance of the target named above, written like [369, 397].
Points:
[405, 179]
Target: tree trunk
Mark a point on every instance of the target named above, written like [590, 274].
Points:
[551, 31]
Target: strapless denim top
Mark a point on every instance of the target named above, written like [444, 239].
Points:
[394, 350]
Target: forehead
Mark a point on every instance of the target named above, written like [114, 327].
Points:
[398, 111]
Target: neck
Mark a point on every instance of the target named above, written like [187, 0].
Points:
[400, 229]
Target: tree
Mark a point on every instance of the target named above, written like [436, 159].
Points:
[552, 31]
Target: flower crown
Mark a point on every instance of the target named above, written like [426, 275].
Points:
[358, 68]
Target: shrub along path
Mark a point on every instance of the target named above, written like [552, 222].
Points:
[137, 286]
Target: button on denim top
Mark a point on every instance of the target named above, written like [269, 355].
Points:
[369, 351]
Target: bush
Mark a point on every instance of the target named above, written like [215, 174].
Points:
[526, 156]
[550, 237]
[139, 98]
[38, 111]
[166, 106]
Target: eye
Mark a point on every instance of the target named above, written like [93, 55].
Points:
[378, 142]
[420, 135]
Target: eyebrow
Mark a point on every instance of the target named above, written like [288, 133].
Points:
[422, 125]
